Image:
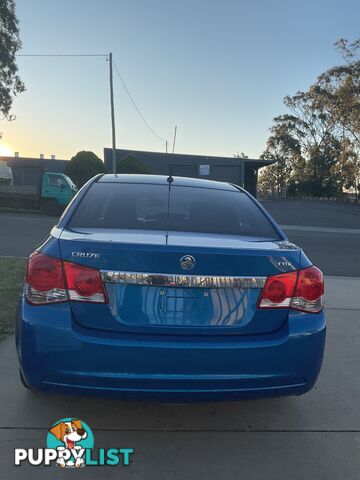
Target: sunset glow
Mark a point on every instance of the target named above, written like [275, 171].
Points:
[6, 151]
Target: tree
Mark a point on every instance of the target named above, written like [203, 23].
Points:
[240, 155]
[337, 91]
[284, 150]
[347, 168]
[132, 164]
[317, 144]
[306, 147]
[83, 166]
[10, 82]
[337, 94]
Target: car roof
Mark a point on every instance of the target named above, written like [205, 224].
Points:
[162, 180]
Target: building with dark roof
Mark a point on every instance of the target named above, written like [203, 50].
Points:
[243, 172]
[25, 170]
[51, 164]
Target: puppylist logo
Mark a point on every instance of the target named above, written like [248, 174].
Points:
[70, 444]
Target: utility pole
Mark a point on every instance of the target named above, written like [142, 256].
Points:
[242, 173]
[112, 114]
[173, 149]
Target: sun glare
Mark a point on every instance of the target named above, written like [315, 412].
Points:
[6, 151]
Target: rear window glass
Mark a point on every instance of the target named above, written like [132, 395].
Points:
[191, 209]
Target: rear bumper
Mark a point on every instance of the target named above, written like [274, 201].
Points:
[56, 354]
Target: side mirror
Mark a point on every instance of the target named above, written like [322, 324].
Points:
[62, 186]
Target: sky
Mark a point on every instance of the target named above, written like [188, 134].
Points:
[217, 69]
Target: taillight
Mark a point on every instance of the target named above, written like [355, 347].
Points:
[49, 280]
[278, 291]
[44, 281]
[309, 292]
[300, 290]
[84, 284]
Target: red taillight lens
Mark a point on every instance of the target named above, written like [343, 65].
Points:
[87, 283]
[45, 282]
[44, 273]
[300, 290]
[278, 291]
[309, 292]
[310, 284]
[84, 283]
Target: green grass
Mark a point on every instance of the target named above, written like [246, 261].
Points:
[12, 271]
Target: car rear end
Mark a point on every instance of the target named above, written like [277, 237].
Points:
[175, 290]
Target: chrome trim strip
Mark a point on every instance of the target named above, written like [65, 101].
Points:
[174, 280]
[55, 232]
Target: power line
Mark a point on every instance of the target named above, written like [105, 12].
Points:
[136, 107]
[117, 71]
[62, 55]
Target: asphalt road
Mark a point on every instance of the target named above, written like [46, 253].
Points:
[21, 232]
[314, 213]
[325, 230]
[328, 232]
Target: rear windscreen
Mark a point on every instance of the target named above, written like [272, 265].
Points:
[187, 209]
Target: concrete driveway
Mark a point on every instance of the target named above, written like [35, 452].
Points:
[313, 436]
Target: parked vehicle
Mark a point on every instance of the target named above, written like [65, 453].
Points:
[175, 289]
[36, 188]
[6, 175]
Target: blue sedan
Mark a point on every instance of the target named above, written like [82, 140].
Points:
[173, 289]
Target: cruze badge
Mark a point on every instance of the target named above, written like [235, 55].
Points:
[85, 254]
[187, 262]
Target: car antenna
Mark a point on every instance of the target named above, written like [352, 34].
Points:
[170, 180]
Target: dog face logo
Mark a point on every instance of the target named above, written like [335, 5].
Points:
[69, 432]
[70, 437]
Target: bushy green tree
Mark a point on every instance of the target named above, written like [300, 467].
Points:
[132, 164]
[317, 144]
[285, 150]
[83, 166]
[337, 94]
[10, 82]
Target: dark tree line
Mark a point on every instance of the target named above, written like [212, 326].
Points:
[10, 82]
[85, 165]
[316, 144]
